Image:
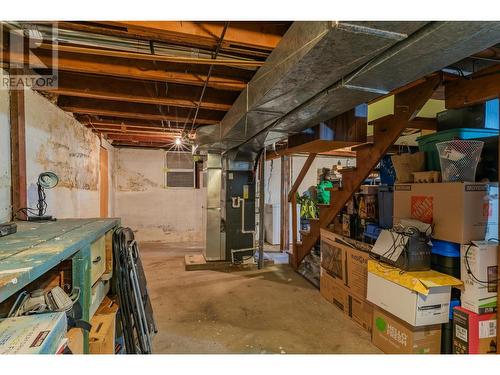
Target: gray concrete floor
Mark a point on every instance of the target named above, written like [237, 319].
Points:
[273, 310]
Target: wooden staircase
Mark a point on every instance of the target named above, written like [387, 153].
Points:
[387, 130]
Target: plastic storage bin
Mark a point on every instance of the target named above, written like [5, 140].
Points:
[445, 257]
[427, 143]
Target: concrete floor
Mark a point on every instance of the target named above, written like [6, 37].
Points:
[274, 310]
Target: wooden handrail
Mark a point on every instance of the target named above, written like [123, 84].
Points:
[301, 176]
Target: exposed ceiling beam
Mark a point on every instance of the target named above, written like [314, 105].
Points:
[184, 33]
[126, 68]
[150, 57]
[130, 123]
[258, 35]
[109, 88]
[132, 110]
[140, 138]
[477, 88]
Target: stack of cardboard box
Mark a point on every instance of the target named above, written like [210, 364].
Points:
[464, 213]
[343, 278]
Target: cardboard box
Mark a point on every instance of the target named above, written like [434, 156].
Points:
[356, 271]
[75, 340]
[33, 334]
[102, 334]
[345, 263]
[332, 256]
[333, 291]
[393, 336]
[481, 260]
[361, 312]
[460, 211]
[474, 333]
[419, 298]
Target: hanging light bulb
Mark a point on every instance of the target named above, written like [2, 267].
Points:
[178, 141]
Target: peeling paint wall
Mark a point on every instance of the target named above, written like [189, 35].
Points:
[144, 204]
[5, 184]
[56, 142]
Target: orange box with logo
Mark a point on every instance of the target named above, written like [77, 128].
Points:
[393, 336]
[460, 211]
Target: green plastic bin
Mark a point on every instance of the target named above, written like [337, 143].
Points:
[427, 143]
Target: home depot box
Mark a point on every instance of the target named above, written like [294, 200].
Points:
[474, 333]
[419, 298]
[460, 211]
[393, 336]
[361, 312]
[479, 273]
[33, 334]
[333, 291]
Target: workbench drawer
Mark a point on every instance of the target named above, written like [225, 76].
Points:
[97, 259]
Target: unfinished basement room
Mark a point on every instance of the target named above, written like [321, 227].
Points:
[249, 187]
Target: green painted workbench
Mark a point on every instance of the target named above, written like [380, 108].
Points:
[37, 247]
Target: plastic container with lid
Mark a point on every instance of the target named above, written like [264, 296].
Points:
[427, 143]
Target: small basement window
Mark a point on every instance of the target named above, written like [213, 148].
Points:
[179, 170]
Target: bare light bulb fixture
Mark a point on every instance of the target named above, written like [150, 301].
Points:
[178, 141]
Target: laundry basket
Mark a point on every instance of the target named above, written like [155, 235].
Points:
[459, 159]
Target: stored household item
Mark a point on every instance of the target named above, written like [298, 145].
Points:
[480, 116]
[331, 289]
[350, 263]
[487, 169]
[46, 180]
[426, 177]
[102, 334]
[33, 334]
[473, 333]
[405, 164]
[479, 274]
[8, 228]
[447, 331]
[272, 224]
[445, 257]
[459, 160]
[404, 247]
[385, 206]
[137, 321]
[367, 206]
[419, 298]
[427, 143]
[371, 233]
[387, 171]
[393, 336]
[459, 211]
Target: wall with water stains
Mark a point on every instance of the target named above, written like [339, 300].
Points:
[5, 185]
[56, 142]
[143, 203]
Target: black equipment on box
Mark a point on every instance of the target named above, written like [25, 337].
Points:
[405, 247]
[482, 116]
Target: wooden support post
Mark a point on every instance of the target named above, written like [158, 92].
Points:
[262, 163]
[292, 197]
[284, 205]
[18, 151]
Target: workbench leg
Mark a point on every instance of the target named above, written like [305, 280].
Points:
[81, 279]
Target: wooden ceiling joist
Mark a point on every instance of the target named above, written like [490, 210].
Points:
[135, 110]
[135, 91]
[124, 122]
[150, 57]
[126, 68]
[478, 88]
[245, 38]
